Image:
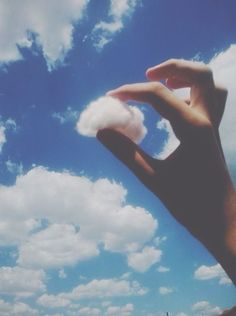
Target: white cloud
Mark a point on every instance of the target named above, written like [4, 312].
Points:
[205, 308]
[108, 112]
[62, 274]
[50, 248]
[21, 282]
[103, 32]
[125, 310]
[165, 290]
[95, 289]
[224, 69]
[9, 124]
[181, 314]
[97, 208]
[171, 142]
[163, 269]
[67, 116]
[212, 272]
[51, 21]
[14, 230]
[142, 261]
[16, 309]
[53, 301]
[106, 288]
[91, 311]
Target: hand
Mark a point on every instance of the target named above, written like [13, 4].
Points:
[193, 182]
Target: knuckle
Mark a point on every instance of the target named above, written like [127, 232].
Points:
[206, 72]
[155, 89]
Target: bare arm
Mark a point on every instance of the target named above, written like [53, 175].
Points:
[193, 182]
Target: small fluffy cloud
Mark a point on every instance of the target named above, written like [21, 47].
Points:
[51, 21]
[90, 214]
[212, 272]
[163, 269]
[62, 274]
[103, 32]
[108, 112]
[142, 261]
[165, 290]
[125, 310]
[205, 308]
[21, 282]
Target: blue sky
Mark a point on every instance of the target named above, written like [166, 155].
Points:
[79, 235]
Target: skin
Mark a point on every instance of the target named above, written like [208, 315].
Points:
[193, 182]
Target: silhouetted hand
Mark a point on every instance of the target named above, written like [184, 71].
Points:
[193, 182]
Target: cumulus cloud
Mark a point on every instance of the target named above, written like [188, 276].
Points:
[212, 272]
[53, 301]
[50, 248]
[205, 308]
[95, 289]
[142, 261]
[108, 112]
[125, 310]
[165, 290]
[16, 309]
[90, 213]
[103, 32]
[51, 21]
[21, 282]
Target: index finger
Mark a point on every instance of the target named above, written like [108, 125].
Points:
[191, 73]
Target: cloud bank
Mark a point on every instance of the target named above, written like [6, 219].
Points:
[90, 214]
[108, 112]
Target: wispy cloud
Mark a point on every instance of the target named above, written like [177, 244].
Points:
[104, 31]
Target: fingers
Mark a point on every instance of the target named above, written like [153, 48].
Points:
[186, 71]
[182, 73]
[156, 94]
[129, 153]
